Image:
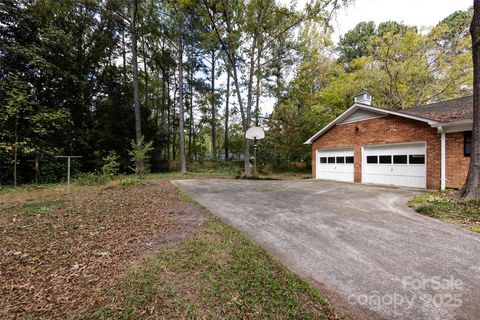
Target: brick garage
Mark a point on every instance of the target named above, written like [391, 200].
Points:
[362, 126]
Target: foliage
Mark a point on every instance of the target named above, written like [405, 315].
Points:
[129, 181]
[400, 66]
[447, 207]
[139, 156]
[229, 168]
[66, 82]
[90, 179]
[111, 164]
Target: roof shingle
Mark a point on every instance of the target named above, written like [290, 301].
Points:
[460, 109]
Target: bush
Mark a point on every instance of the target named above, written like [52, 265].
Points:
[139, 156]
[90, 179]
[111, 165]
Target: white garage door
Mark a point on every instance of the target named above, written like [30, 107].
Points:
[398, 165]
[335, 164]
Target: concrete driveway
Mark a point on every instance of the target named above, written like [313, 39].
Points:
[360, 244]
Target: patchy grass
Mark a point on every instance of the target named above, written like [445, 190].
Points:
[43, 207]
[217, 274]
[137, 250]
[61, 256]
[447, 207]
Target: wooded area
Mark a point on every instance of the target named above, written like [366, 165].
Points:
[92, 77]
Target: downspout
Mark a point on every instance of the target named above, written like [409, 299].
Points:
[443, 162]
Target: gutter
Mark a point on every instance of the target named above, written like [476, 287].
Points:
[443, 163]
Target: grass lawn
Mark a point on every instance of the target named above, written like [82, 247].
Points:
[142, 249]
[445, 206]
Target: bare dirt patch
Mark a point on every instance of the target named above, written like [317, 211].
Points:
[61, 255]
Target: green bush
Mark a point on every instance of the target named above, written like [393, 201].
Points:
[428, 210]
[111, 165]
[139, 156]
[90, 179]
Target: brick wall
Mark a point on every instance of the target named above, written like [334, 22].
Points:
[389, 129]
[457, 163]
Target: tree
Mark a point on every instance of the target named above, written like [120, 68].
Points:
[136, 94]
[471, 189]
[227, 114]
[355, 43]
[181, 127]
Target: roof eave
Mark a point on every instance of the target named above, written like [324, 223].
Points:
[452, 123]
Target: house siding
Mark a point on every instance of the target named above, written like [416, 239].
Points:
[389, 129]
[457, 163]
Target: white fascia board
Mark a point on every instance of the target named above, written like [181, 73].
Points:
[357, 106]
[401, 114]
[344, 115]
[456, 126]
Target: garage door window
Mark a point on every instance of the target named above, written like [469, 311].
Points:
[348, 159]
[331, 159]
[385, 159]
[323, 160]
[372, 159]
[417, 159]
[340, 159]
[400, 159]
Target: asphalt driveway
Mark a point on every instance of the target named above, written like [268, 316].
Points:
[361, 244]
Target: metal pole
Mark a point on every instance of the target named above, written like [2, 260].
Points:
[68, 174]
[254, 156]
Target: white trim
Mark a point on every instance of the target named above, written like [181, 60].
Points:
[394, 143]
[360, 120]
[336, 148]
[358, 106]
[442, 162]
[457, 126]
[443, 158]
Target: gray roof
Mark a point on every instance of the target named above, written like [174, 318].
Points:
[460, 109]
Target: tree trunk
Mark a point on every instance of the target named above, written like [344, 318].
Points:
[174, 115]
[257, 89]
[192, 120]
[136, 97]
[145, 71]
[227, 111]
[169, 126]
[181, 125]
[214, 110]
[124, 56]
[471, 189]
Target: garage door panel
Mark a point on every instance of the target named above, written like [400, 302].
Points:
[340, 169]
[403, 165]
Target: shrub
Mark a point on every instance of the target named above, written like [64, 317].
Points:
[90, 179]
[111, 165]
[139, 156]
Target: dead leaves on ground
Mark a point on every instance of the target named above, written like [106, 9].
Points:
[61, 255]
